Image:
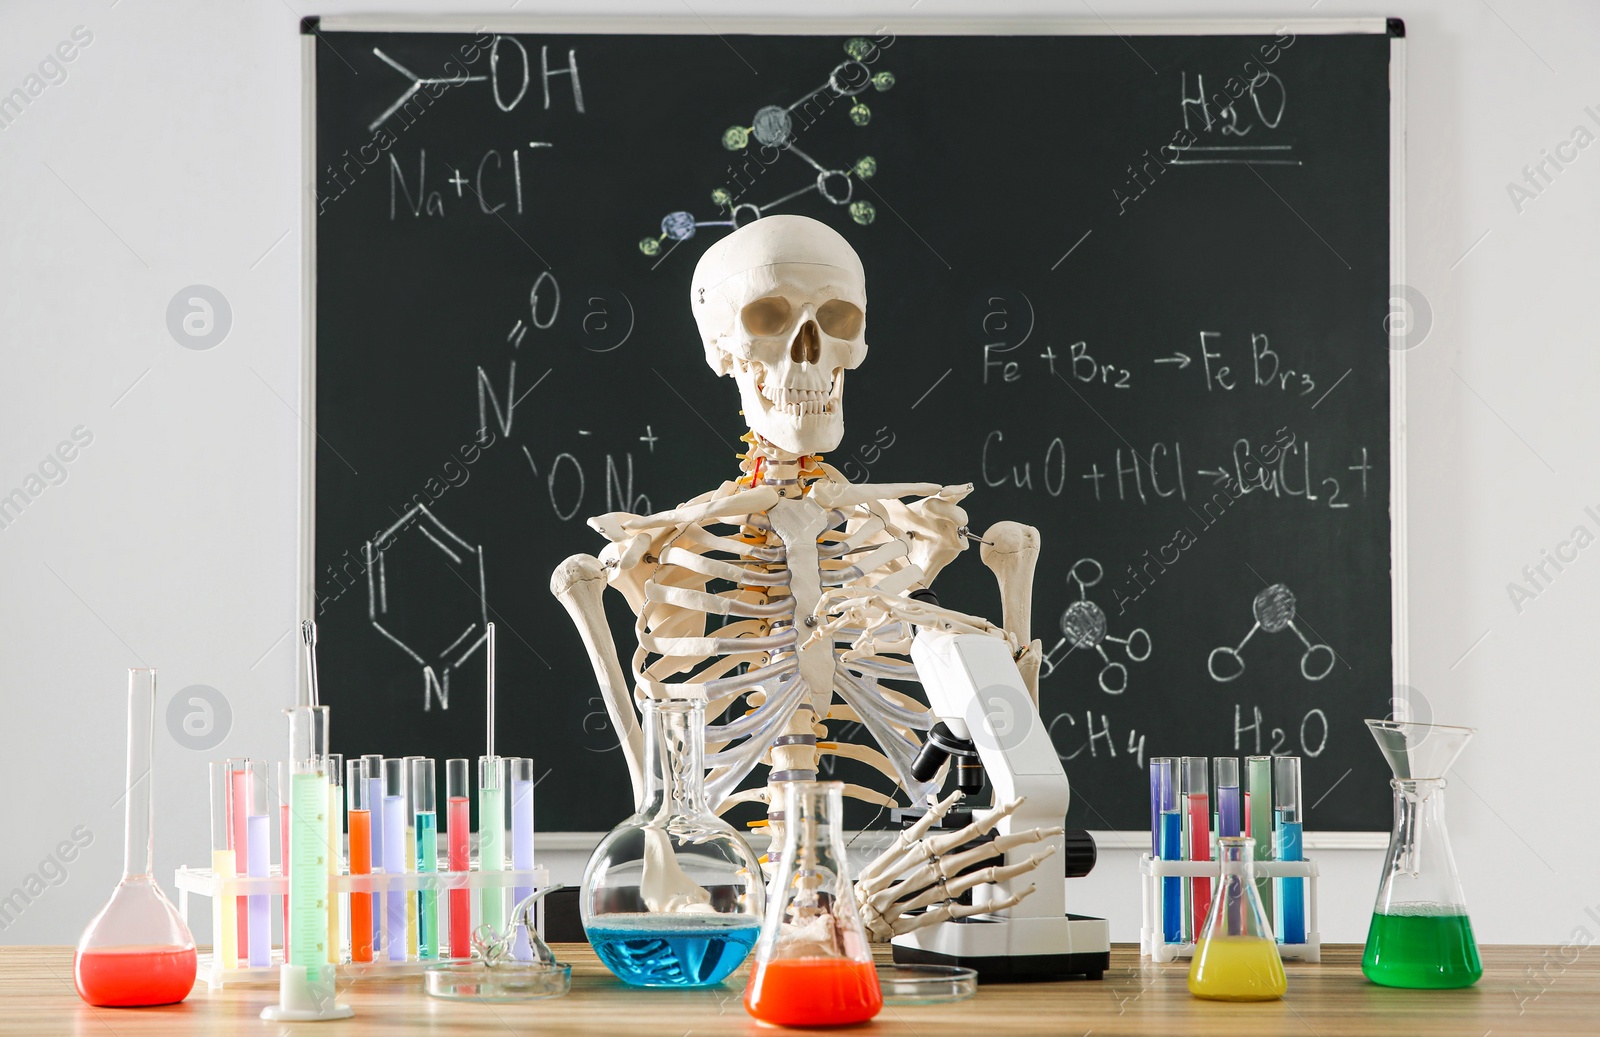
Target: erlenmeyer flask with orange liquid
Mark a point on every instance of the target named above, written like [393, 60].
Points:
[813, 962]
[1236, 956]
[137, 951]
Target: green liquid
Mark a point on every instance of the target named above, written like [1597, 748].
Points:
[1421, 951]
[427, 827]
[492, 851]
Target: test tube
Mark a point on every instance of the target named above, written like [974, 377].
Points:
[424, 797]
[1258, 772]
[306, 933]
[224, 920]
[519, 819]
[1164, 790]
[359, 791]
[1227, 775]
[413, 931]
[335, 772]
[282, 790]
[372, 767]
[239, 809]
[395, 852]
[1197, 803]
[258, 861]
[458, 801]
[492, 835]
[1291, 914]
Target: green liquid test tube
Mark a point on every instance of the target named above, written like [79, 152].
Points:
[1258, 784]
[424, 796]
[492, 771]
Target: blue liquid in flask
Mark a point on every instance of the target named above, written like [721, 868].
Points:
[673, 950]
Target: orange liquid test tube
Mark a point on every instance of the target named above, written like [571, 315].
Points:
[360, 827]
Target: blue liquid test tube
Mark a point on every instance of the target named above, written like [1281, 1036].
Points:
[395, 851]
[1291, 899]
[1169, 839]
[372, 772]
[519, 822]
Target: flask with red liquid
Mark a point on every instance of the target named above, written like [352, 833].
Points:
[813, 962]
[137, 951]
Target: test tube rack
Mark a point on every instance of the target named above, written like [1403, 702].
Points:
[1152, 941]
[202, 882]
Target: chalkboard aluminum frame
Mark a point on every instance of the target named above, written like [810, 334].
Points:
[1394, 28]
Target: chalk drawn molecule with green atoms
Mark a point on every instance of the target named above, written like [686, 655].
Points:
[776, 129]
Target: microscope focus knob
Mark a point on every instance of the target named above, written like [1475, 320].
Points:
[1080, 853]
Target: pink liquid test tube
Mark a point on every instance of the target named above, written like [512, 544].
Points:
[283, 843]
[238, 809]
[1197, 803]
[458, 800]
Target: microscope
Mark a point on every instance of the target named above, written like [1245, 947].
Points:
[990, 726]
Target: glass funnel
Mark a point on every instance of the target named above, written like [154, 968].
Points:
[1236, 955]
[672, 897]
[137, 951]
[813, 964]
[1421, 936]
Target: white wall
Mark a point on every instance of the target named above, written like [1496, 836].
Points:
[170, 156]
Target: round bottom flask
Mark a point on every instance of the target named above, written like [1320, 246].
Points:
[673, 896]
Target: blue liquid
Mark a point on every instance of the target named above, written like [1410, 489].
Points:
[673, 950]
[1291, 892]
[1172, 888]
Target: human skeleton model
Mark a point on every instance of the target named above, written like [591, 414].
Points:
[782, 597]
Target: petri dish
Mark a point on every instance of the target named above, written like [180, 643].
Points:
[505, 981]
[926, 984]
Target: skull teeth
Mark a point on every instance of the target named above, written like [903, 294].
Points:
[799, 403]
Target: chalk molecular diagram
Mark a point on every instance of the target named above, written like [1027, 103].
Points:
[1084, 624]
[466, 562]
[1274, 611]
[774, 128]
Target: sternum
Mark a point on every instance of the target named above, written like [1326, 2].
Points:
[798, 523]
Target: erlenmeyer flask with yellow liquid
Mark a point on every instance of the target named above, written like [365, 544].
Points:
[1236, 955]
[1421, 936]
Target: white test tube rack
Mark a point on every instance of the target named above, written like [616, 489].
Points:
[1152, 939]
[201, 882]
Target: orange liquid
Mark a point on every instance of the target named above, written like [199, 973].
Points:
[135, 976]
[360, 903]
[813, 992]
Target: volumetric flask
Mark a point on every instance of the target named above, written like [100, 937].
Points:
[137, 951]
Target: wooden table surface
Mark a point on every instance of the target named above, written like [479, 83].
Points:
[1134, 998]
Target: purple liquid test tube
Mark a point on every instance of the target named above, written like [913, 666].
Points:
[519, 821]
[372, 771]
[1229, 818]
[395, 776]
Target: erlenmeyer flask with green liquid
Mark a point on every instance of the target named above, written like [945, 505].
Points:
[1421, 936]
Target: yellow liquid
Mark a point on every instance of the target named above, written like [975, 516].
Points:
[1237, 968]
[224, 934]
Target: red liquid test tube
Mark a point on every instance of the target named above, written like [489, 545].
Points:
[1197, 800]
[458, 793]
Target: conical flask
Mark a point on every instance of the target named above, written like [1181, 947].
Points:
[673, 896]
[813, 963]
[1421, 936]
[1236, 955]
[137, 951]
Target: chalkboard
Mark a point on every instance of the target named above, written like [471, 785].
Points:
[1132, 287]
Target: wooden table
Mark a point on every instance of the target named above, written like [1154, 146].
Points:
[1134, 998]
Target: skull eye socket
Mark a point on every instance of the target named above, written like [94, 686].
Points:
[767, 316]
[840, 319]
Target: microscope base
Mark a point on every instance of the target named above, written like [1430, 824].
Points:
[1006, 950]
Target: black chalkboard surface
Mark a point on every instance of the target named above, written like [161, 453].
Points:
[1133, 288]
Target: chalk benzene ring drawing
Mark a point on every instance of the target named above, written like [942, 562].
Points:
[436, 673]
[1273, 610]
[1084, 624]
[773, 127]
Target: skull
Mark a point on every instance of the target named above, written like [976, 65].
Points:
[781, 306]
